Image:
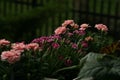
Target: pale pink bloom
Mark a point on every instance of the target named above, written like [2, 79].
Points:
[33, 46]
[82, 29]
[60, 30]
[11, 56]
[89, 38]
[68, 22]
[18, 46]
[4, 42]
[74, 25]
[101, 27]
[84, 25]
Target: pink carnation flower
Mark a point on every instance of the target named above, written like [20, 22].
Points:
[18, 46]
[4, 42]
[82, 29]
[101, 27]
[74, 25]
[83, 26]
[55, 45]
[68, 22]
[60, 30]
[11, 56]
[33, 46]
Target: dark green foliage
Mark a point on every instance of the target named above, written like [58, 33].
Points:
[3, 71]
[100, 67]
[24, 26]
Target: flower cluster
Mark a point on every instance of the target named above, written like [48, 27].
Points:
[48, 55]
[70, 42]
[15, 50]
[85, 37]
[18, 56]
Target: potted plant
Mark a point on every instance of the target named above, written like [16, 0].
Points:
[76, 41]
[54, 56]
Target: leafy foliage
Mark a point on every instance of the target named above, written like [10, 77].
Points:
[100, 67]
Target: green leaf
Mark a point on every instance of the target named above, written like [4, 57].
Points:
[100, 67]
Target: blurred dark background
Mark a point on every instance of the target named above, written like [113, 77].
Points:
[24, 20]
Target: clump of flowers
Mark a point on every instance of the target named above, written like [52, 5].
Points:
[86, 37]
[11, 56]
[19, 60]
[48, 55]
[69, 43]
[4, 42]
